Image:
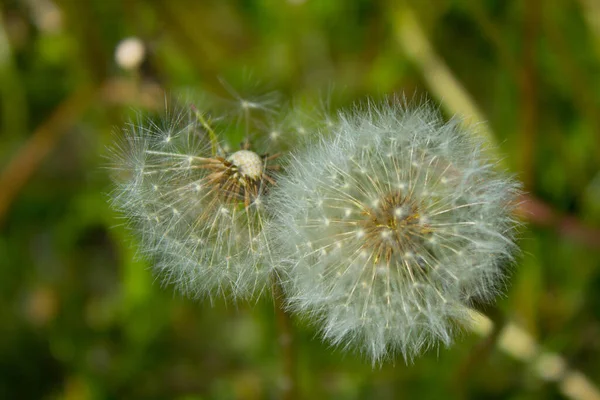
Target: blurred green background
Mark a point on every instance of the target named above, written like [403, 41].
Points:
[80, 318]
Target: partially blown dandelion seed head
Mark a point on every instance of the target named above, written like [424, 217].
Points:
[199, 208]
[391, 225]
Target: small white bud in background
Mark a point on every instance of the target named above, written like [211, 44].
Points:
[130, 53]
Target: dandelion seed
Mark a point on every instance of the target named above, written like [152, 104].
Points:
[413, 255]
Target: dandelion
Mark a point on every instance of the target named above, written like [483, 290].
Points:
[199, 208]
[391, 226]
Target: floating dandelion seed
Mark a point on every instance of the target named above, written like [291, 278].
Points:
[391, 226]
[199, 209]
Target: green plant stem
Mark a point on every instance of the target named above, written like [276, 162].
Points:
[285, 338]
[214, 141]
[479, 354]
[42, 141]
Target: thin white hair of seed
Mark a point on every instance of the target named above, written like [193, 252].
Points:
[198, 209]
[391, 225]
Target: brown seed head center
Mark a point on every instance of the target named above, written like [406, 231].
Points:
[393, 227]
[242, 176]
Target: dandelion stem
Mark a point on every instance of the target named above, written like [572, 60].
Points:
[480, 352]
[285, 339]
[549, 366]
[43, 140]
[214, 142]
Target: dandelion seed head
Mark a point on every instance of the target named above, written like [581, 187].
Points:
[198, 208]
[412, 253]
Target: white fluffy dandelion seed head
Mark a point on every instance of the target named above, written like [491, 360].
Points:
[199, 210]
[391, 226]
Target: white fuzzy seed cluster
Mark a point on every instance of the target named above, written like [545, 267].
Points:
[200, 215]
[390, 227]
[383, 231]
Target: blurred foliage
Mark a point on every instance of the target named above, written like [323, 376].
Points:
[82, 318]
